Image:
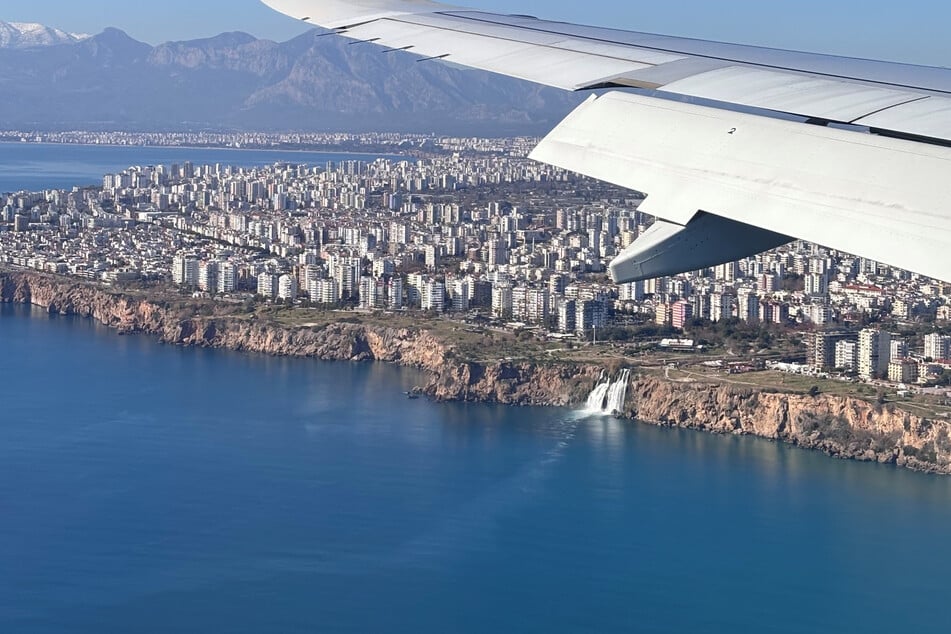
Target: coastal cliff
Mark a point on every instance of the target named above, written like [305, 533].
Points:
[513, 383]
[174, 324]
[838, 425]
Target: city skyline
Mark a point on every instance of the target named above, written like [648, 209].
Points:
[910, 33]
[470, 233]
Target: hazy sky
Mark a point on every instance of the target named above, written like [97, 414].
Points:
[911, 30]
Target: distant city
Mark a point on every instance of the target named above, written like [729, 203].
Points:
[372, 142]
[467, 228]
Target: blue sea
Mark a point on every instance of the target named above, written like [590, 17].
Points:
[147, 488]
[39, 166]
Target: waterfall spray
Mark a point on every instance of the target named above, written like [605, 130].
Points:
[596, 398]
[608, 396]
[617, 393]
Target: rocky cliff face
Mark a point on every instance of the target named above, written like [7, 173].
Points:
[513, 383]
[840, 426]
[338, 342]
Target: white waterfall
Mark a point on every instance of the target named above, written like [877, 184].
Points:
[608, 396]
[596, 398]
[617, 394]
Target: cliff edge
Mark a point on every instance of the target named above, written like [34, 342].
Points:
[841, 426]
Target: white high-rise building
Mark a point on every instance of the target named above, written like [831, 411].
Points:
[721, 306]
[208, 276]
[816, 284]
[323, 291]
[847, 354]
[369, 295]
[383, 267]
[702, 305]
[537, 305]
[227, 277]
[498, 254]
[394, 298]
[519, 301]
[459, 294]
[268, 285]
[434, 296]
[567, 313]
[747, 305]
[874, 353]
[819, 314]
[502, 301]
[590, 316]
[433, 253]
[311, 272]
[185, 270]
[725, 272]
[399, 233]
[632, 291]
[937, 346]
[287, 288]
[898, 350]
[347, 275]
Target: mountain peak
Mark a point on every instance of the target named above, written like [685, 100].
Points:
[113, 41]
[20, 35]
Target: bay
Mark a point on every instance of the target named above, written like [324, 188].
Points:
[150, 488]
[40, 166]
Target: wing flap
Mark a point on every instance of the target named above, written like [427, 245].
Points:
[337, 14]
[503, 49]
[796, 94]
[930, 118]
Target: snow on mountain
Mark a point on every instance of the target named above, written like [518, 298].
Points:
[29, 35]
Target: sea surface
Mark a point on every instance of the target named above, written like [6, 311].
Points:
[39, 166]
[149, 488]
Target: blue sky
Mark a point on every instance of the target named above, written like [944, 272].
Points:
[911, 30]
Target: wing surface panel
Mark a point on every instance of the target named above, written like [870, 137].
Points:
[783, 92]
[925, 78]
[930, 118]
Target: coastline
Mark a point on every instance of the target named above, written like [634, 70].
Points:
[210, 147]
[841, 426]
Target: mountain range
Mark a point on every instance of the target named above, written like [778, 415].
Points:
[315, 82]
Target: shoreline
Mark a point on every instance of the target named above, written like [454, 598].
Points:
[840, 426]
[206, 147]
[235, 158]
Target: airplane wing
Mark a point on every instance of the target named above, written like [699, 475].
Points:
[738, 148]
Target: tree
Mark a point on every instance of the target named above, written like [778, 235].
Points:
[793, 282]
